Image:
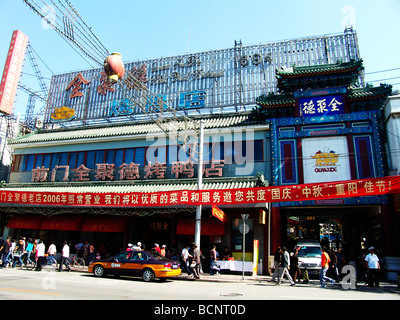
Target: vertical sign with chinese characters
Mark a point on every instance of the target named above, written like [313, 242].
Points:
[12, 71]
[321, 106]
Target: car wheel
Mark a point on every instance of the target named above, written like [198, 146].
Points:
[98, 271]
[148, 275]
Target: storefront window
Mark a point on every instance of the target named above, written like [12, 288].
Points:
[30, 162]
[63, 159]
[72, 160]
[129, 155]
[54, 160]
[39, 161]
[110, 156]
[140, 155]
[99, 156]
[119, 157]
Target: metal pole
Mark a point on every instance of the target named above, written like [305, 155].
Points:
[244, 217]
[199, 185]
[244, 244]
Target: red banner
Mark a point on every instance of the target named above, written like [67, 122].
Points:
[303, 192]
[12, 71]
[218, 213]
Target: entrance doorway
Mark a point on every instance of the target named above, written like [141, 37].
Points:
[344, 228]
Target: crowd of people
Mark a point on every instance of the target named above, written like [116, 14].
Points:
[19, 252]
[22, 251]
[366, 267]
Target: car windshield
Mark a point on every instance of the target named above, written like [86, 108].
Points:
[309, 252]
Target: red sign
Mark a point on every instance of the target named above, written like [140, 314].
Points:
[303, 192]
[218, 213]
[12, 71]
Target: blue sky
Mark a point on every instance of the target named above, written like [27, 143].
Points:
[160, 28]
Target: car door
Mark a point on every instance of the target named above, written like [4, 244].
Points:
[137, 262]
[120, 264]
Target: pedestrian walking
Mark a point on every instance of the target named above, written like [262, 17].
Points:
[277, 261]
[52, 250]
[185, 260]
[213, 259]
[40, 250]
[333, 266]
[294, 266]
[373, 267]
[284, 267]
[28, 251]
[324, 268]
[64, 257]
[6, 251]
[197, 261]
[18, 252]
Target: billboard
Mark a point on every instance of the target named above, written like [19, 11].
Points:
[12, 71]
[325, 159]
[227, 80]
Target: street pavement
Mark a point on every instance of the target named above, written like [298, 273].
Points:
[19, 284]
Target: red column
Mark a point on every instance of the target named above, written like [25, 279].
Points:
[276, 228]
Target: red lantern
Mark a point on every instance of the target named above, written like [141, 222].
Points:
[114, 67]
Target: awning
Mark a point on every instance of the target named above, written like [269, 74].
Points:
[105, 224]
[62, 222]
[25, 222]
[209, 227]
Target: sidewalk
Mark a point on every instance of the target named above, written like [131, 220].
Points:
[387, 287]
[225, 278]
[266, 280]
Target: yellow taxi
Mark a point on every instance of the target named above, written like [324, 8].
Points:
[145, 264]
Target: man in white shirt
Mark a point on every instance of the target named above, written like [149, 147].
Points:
[52, 249]
[40, 250]
[373, 267]
[64, 257]
[185, 260]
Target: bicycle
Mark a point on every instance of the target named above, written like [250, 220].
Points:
[51, 261]
[76, 263]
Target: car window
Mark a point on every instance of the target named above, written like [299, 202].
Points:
[139, 256]
[122, 256]
[309, 252]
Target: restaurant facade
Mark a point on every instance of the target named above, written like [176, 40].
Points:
[326, 127]
[101, 170]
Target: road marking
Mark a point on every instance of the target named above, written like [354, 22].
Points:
[29, 291]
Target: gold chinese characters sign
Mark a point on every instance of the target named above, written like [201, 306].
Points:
[304, 192]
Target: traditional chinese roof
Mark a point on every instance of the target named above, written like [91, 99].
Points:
[369, 92]
[138, 186]
[276, 101]
[319, 76]
[128, 129]
[315, 70]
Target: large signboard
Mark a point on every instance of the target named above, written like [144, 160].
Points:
[12, 71]
[200, 83]
[321, 106]
[302, 192]
[325, 159]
